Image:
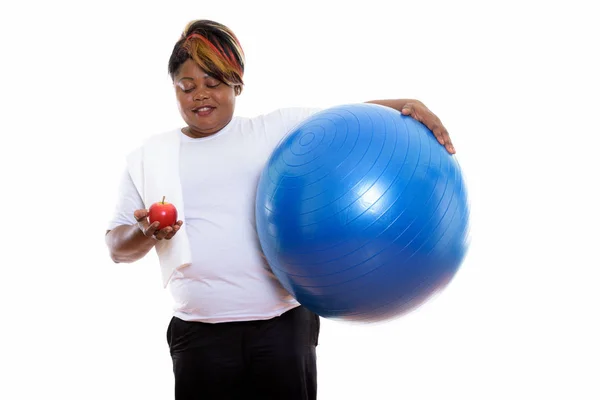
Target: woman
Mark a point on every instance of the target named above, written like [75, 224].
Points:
[235, 332]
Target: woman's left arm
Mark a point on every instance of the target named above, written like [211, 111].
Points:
[421, 113]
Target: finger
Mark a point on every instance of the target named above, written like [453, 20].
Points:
[438, 132]
[151, 229]
[445, 140]
[161, 234]
[449, 145]
[140, 215]
[175, 229]
[410, 110]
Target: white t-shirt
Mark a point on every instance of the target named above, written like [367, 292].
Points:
[229, 279]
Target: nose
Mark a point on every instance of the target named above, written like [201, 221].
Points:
[201, 93]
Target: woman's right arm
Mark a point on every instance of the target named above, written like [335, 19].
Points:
[130, 236]
[127, 243]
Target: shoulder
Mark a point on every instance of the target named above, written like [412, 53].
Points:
[285, 118]
[290, 113]
[275, 124]
[162, 137]
[157, 139]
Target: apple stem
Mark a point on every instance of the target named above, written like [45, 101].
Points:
[163, 200]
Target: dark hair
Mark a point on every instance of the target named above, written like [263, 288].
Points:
[214, 48]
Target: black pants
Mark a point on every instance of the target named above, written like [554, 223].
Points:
[271, 359]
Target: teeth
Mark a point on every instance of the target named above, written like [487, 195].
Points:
[204, 109]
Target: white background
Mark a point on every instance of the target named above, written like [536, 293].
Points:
[516, 84]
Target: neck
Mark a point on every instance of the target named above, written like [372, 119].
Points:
[197, 134]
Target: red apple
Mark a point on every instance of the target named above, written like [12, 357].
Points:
[163, 212]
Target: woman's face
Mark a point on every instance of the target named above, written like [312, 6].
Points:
[205, 103]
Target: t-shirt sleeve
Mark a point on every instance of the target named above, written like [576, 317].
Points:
[128, 200]
[282, 121]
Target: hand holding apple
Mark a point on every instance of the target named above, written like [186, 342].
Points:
[160, 220]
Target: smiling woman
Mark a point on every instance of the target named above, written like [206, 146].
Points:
[206, 66]
[235, 331]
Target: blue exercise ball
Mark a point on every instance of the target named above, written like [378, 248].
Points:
[361, 214]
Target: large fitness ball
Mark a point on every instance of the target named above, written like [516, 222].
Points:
[362, 215]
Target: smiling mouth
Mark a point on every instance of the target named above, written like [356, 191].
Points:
[201, 111]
